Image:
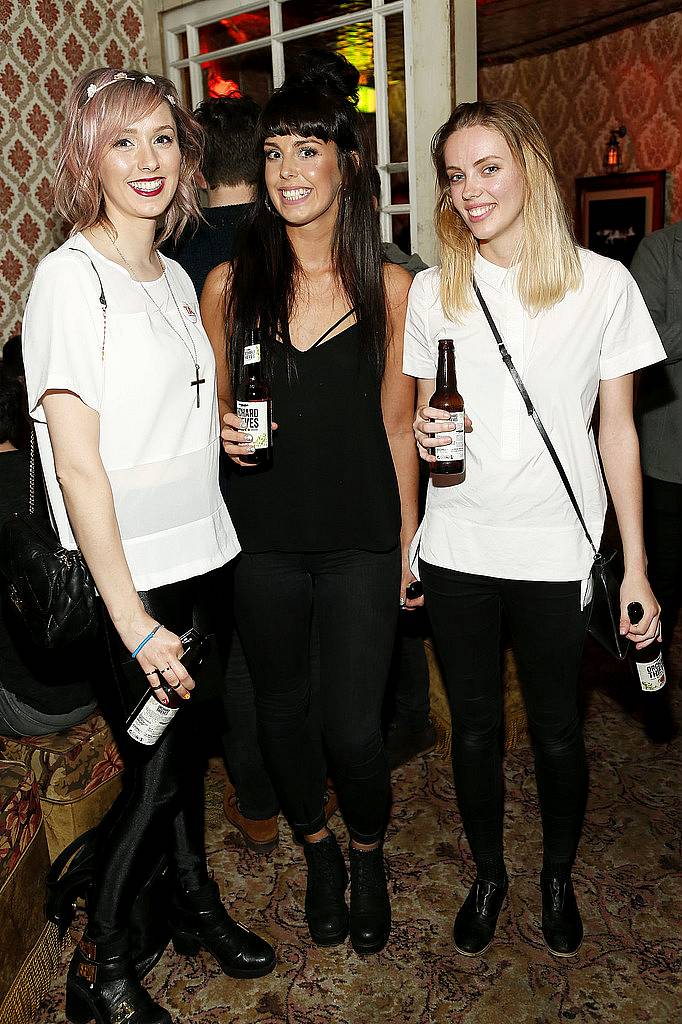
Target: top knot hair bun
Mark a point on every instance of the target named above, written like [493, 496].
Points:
[325, 71]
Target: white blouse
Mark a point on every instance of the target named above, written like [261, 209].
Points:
[159, 450]
[511, 516]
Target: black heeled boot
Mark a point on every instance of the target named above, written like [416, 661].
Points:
[476, 920]
[370, 907]
[562, 927]
[70, 879]
[199, 921]
[102, 986]
[325, 905]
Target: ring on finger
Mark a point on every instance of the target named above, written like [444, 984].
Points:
[157, 687]
[174, 686]
[166, 669]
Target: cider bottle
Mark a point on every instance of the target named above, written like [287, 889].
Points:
[254, 407]
[649, 660]
[450, 458]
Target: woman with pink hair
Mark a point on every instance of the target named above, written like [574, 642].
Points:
[121, 384]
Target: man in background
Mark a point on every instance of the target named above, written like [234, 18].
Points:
[228, 176]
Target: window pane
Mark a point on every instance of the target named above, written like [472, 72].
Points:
[305, 12]
[400, 189]
[356, 44]
[395, 59]
[248, 74]
[182, 45]
[401, 231]
[232, 31]
[185, 89]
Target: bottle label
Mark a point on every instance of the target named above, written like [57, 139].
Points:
[150, 722]
[253, 417]
[454, 451]
[651, 674]
[251, 354]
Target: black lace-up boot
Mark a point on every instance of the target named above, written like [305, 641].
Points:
[562, 928]
[370, 907]
[325, 905]
[102, 986]
[199, 921]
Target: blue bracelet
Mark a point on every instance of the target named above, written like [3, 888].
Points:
[146, 640]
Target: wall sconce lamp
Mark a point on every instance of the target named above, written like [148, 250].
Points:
[612, 155]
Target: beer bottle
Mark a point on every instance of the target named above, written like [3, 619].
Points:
[649, 660]
[450, 458]
[149, 719]
[254, 407]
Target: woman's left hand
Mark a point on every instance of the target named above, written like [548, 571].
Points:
[409, 604]
[635, 587]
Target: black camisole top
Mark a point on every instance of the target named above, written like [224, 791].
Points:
[331, 485]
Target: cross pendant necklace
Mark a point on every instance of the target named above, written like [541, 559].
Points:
[198, 381]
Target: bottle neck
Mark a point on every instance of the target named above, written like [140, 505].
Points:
[252, 368]
[447, 377]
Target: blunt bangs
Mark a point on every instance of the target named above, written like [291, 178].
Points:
[295, 111]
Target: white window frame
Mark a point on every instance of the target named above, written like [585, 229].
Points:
[427, 82]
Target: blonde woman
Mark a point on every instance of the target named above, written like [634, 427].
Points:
[126, 412]
[505, 541]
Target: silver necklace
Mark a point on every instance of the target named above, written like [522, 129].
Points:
[198, 381]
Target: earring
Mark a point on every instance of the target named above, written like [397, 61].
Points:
[268, 205]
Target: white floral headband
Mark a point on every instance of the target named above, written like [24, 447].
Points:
[121, 76]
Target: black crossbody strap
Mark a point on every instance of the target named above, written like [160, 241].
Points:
[507, 360]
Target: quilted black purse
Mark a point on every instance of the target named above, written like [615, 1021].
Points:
[605, 611]
[50, 587]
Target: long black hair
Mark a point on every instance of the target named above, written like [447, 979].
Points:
[317, 100]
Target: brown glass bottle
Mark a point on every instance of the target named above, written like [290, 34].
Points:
[450, 458]
[254, 407]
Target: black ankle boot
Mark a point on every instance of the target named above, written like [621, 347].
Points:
[562, 928]
[199, 921]
[476, 919]
[102, 986]
[370, 907]
[325, 905]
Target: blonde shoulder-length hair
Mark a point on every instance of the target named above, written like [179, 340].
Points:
[101, 104]
[548, 261]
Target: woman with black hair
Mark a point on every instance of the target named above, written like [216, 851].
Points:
[321, 528]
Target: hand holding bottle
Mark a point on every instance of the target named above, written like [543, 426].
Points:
[237, 442]
[432, 428]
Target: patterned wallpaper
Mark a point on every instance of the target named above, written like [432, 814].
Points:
[44, 45]
[633, 77]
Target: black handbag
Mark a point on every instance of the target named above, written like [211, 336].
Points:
[605, 610]
[50, 587]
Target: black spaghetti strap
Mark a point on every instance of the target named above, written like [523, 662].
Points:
[333, 328]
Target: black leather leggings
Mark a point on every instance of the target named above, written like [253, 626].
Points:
[161, 807]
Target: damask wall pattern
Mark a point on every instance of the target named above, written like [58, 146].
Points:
[44, 46]
[633, 77]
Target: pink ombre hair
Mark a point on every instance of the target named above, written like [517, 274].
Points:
[92, 124]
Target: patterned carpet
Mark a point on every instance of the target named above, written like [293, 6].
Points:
[627, 881]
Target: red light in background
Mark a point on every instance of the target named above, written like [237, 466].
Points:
[220, 86]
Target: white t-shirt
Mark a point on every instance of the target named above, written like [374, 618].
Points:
[511, 516]
[159, 450]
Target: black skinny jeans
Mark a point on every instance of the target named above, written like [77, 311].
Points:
[355, 596]
[548, 631]
[161, 806]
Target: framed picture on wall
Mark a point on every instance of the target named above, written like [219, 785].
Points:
[616, 211]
